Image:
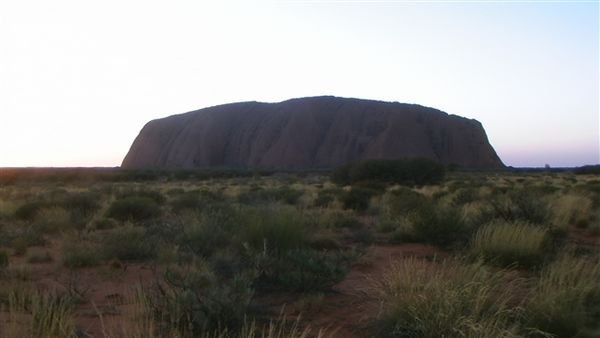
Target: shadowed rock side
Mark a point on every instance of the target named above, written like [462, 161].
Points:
[314, 132]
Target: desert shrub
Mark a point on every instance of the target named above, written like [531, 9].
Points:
[194, 300]
[274, 230]
[325, 243]
[464, 196]
[134, 208]
[566, 300]
[82, 203]
[440, 225]
[288, 195]
[447, 299]
[403, 232]
[358, 198]
[229, 262]
[196, 200]
[20, 246]
[346, 221]
[582, 223]
[205, 235]
[385, 226]
[186, 201]
[402, 202]
[543, 189]
[457, 184]
[517, 206]
[362, 235]
[326, 197]
[128, 244]
[104, 224]
[595, 229]
[416, 171]
[304, 270]
[29, 210]
[175, 192]
[80, 256]
[262, 196]
[3, 259]
[592, 187]
[507, 243]
[323, 200]
[378, 186]
[29, 236]
[39, 258]
[154, 195]
[52, 219]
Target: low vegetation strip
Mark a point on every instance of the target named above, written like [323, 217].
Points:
[509, 254]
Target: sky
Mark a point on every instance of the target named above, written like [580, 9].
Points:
[79, 79]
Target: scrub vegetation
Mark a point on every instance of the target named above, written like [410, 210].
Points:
[373, 249]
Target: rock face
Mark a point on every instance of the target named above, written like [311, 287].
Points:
[313, 132]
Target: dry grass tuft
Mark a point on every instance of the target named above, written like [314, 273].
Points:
[446, 299]
[509, 243]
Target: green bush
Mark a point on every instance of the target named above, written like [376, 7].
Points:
[440, 225]
[3, 259]
[303, 270]
[52, 219]
[358, 198]
[156, 196]
[128, 244]
[263, 196]
[84, 203]
[30, 236]
[274, 230]
[195, 301]
[507, 243]
[29, 210]
[80, 256]
[464, 196]
[39, 258]
[325, 243]
[362, 235]
[104, 224]
[326, 197]
[196, 200]
[134, 208]
[186, 201]
[205, 236]
[415, 171]
[403, 232]
[346, 221]
[517, 206]
[402, 202]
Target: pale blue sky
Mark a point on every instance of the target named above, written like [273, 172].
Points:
[78, 79]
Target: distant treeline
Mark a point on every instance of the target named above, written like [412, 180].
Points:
[413, 171]
[409, 171]
[583, 170]
[66, 175]
[587, 170]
